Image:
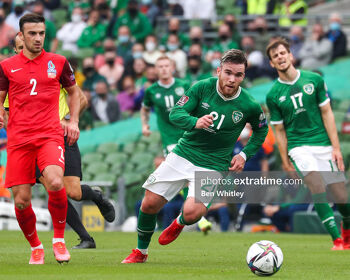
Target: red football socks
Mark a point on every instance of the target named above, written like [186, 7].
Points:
[27, 222]
[58, 209]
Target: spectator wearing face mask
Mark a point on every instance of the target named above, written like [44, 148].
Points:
[111, 70]
[94, 34]
[91, 75]
[174, 29]
[139, 70]
[337, 36]
[108, 46]
[177, 55]
[255, 58]
[194, 70]
[296, 37]
[196, 37]
[225, 41]
[262, 37]
[151, 78]
[13, 18]
[124, 44]
[151, 53]
[104, 106]
[7, 33]
[150, 9]
[126, 98]
[138, 23]
[70, 32]
[231, 21]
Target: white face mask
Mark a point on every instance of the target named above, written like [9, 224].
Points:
[150, 46]
[76, 18]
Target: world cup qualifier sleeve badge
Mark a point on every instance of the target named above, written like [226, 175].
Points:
[51, 70]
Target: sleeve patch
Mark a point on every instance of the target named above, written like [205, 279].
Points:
[183, 100]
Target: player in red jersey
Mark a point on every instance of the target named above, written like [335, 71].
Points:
[32, 80]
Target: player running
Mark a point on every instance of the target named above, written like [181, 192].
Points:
[307, 136]
[32, 80]
[213, 113]
[162, 96]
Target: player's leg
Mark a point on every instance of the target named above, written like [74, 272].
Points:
[50, 160]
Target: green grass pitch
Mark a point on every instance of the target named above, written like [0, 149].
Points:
[192, 256]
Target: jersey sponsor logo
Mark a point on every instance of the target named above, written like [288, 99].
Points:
[158, 95]
[183, 100]
[180, 91]
[237, 116]
[205, 105]
[282, 99]
[51, 70]
[309, 89]
[15, 70]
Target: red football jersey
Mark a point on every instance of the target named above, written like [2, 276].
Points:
[33, 89]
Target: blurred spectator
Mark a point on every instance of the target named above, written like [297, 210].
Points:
[150, 9]
[225, 41]
[106, 16]
[262, 38]
[111, 70]
[138, 23]
[94, 34]
[79, 76]
[196, 37]
[51, 4]
[220, 212]
[125, 44]
[151, 77]
[151, 54]
[174, 8]
[92, 77]
[108, 46]
[174, 28]
[85, 119]
[214, 59]
[195, 70]
[231, 21]
[51, 42]
[337, 36]
[177, 55]
[292, 8]
[258, 7]
[199, 9]
[70, 32]
[126, 98]
[255, 58]
[7, 33]
[317, 50]
[139, 69]
[296, 38]
[104, 107]
[6, 5]
[137, 50]
[19, 10]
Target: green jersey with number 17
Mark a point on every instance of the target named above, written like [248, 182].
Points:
[163, 98]
[212, 148]
[296, 105]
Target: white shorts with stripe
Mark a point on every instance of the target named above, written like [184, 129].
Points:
[174, 174]
[317, 158]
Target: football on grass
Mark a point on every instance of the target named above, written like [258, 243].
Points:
[264, 258]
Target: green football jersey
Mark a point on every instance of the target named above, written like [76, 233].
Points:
[212, 148]
[163, 98]
[297, 105]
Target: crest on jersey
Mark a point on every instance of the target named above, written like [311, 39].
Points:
[309, 89]
[51, 70]
[158, 95]
[179, 91]
[183, 100]
[237, 116]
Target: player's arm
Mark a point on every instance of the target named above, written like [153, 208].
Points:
[181, 116]
[3, 120]
[4, 85]
[145, 112]
[72, 129]
[329, 124]
[281, 140]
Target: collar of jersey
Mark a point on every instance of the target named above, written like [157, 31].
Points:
[167, 86]
[35, 60]
[290, 82]
[225, 98]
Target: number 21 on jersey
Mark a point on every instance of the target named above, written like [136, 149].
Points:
[215, 117]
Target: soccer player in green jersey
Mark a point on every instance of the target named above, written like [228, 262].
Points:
[213, 112]
[307, 137]
[162, 96]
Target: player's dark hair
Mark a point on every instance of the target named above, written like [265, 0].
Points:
[275, 43]
[234, 56]
[30, 18]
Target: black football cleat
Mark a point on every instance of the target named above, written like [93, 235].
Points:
[86, 244]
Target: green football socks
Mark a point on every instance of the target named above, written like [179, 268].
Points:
[145, 228]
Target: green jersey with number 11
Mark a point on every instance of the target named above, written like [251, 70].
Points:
[163, 98]
[212, 148]
[296, 105]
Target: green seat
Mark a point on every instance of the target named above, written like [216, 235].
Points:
[260, 81]
[145, 158]
[116, 158]
[97, 167]
[129, 148]
[98, 124]
[131, 179]
[65, 53]
[85, 52]
[91, 158]
[87, 176]
[140, 147]
[107, 148]
[106, 177]
[87, 149]
[59, 17]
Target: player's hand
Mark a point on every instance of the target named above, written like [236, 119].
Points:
[338, 158]
[145, 130]
[288, 166]
[270, 210]
[204, 122]
[72, 132]
[237, 163]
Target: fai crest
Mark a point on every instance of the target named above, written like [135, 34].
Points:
[237, 116]
[179, 91]
[309, 89]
